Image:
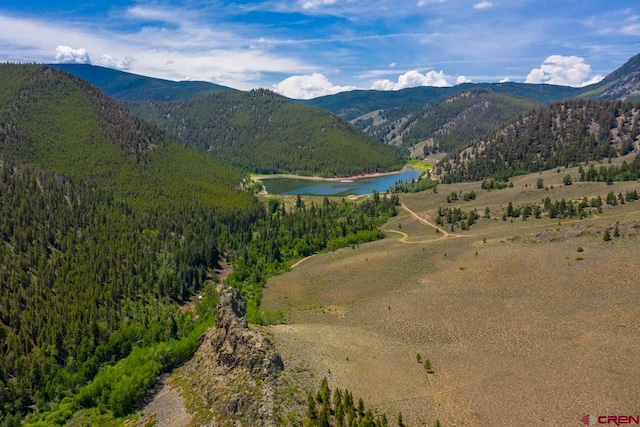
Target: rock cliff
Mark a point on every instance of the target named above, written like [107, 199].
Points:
[231, 379]
[235, 345]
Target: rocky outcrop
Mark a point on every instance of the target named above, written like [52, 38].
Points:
[237, 346]
[232, 378]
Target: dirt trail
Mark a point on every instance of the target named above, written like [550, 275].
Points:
[445, 234]
[302, 260]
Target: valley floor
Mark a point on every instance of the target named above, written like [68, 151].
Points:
[531, 322]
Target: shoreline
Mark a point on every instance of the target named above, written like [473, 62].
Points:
[260, 177]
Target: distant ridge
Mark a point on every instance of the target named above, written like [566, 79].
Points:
[353, 104]
[125, 86]
[623, 84]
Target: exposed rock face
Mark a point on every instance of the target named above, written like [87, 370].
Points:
[234, 372]
[627, 88]
[237, 346]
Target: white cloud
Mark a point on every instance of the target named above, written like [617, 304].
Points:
[192, 49]
[69, 55]
[563, 71]
[483, 5]
[505, 80]
[414, 78]
[119, 64]
[312, 4]
[308, 86]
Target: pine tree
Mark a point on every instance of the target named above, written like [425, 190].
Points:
[312, 413]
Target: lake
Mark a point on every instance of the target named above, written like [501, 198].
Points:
[357, 186]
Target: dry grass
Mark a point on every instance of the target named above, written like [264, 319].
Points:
[519, 331]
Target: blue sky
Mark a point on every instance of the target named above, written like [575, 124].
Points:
[308, 48]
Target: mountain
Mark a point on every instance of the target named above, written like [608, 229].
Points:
[429, 120]
[563, 134]
[268, 133]
[55, 121]
[353, 104]
[106, 224]
[448, 124]
[423, 118]
[131, 87]
[622, 84]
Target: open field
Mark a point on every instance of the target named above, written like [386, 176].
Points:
[520, 326]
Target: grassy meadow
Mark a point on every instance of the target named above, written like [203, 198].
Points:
[532, 322]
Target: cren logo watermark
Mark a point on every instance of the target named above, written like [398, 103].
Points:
[617, 420]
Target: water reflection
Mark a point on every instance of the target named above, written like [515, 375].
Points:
[356, 186]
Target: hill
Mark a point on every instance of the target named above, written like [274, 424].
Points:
[563, 134]
[108, 228]
[622, 84]
[415, 115]
[430, 120]
[106, 224]
[64, 125]
[353, 104]
[448, 124]
[492, 308]
[125, 86]
[265, 132]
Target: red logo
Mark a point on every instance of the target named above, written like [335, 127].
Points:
[617, 420]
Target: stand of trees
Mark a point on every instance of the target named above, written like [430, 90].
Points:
[338, 409]
[287, 234]
[456, 217]
[416, 185]
[86, 278]
[563, 209]
[563, 134]
[624, 172]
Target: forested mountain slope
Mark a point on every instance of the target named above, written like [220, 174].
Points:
[447, 124]
[106, 226]
[125, 86]
[265, 132]
[106, 223]
[66, 126]
[563, 134]
[415, 115]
